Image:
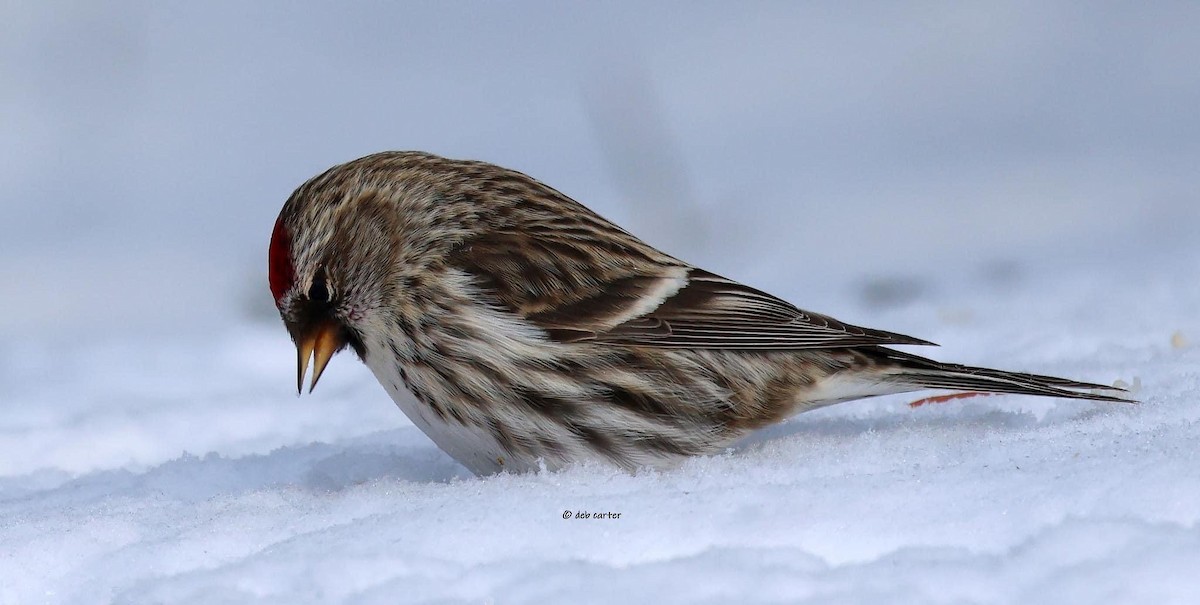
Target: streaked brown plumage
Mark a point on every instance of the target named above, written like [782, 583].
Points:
[529, 328]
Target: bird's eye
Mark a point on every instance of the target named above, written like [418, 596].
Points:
[319, 292]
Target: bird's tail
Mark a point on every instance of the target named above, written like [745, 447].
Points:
[921, 373]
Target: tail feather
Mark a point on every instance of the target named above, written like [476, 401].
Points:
[925, 373]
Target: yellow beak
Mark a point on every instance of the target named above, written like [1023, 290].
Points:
[320, 344]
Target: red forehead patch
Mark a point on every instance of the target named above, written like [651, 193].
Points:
[280, 271]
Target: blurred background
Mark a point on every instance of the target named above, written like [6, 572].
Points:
[824, 151]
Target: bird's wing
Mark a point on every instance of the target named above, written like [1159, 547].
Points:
[712, 312]
[582, 290]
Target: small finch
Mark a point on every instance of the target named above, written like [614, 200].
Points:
[529, 330]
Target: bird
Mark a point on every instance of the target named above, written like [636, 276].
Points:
[522, 331]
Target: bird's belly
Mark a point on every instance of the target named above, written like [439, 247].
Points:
[472, 446]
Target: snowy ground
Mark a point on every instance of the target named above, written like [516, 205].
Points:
[187, 471]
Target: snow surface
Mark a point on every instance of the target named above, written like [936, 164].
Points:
[189, 472]
[1016, 181]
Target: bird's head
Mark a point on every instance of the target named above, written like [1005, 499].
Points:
[312, 296]
[351, 243]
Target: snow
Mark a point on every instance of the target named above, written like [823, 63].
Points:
[1016, 182]
[187, 471]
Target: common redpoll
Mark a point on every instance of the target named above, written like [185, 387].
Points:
[528, 328]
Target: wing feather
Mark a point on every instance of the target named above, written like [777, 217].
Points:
[712, 312]
[589, 284]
